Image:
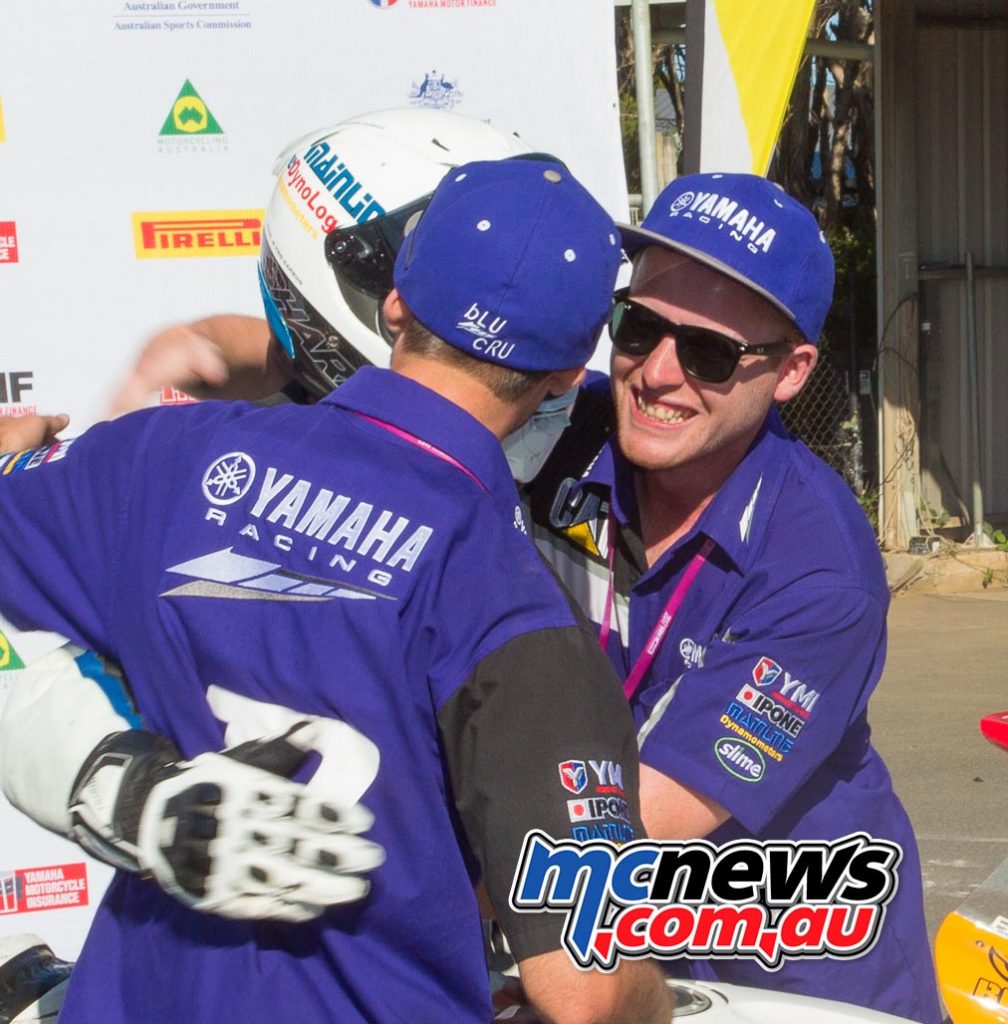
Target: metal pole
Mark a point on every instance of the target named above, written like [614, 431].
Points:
[640, 20]
[973, 384]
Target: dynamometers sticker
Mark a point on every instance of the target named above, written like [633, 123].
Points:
[774, 901]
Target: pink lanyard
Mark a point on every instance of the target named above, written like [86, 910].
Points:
[425, 445]
[661, 628]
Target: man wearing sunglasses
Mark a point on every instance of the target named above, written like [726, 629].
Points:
[734, 581]
[736, 584]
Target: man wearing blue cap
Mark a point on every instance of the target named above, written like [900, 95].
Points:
[736, 585]
[748, 655]
[357, 574]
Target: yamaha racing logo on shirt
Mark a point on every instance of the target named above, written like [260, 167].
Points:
[228, 478]
[692, 653]
[774, 901]
[278, 512]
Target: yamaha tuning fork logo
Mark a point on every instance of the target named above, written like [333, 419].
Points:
[228, 478]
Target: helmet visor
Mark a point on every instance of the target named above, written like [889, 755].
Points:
[363, 256]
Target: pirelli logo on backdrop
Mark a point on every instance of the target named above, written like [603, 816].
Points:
[2, 135]
[177, 234]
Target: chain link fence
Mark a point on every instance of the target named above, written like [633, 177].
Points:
[823, 416]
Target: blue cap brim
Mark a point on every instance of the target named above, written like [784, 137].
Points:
[636, 239]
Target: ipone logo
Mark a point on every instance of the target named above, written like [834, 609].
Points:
[740, 758]
[772, 901]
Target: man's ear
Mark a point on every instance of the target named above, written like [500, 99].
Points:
[795, 371]
[563, 380]
[396, 311]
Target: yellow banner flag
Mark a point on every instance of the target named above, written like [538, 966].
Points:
[751, 53]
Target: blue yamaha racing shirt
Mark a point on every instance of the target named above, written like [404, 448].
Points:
[758, 695]
[363, 561]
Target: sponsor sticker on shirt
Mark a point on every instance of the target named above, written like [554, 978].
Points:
[573, 776]
[16, 462]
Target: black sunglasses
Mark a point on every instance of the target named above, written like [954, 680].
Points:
[705, 355]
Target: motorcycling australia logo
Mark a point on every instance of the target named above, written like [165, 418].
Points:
[190, 125]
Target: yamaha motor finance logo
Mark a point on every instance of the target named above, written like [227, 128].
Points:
[383, 3]
[228, 478]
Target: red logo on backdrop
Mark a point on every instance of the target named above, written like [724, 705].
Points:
[8, 242]
[172, 396]
[24, 890]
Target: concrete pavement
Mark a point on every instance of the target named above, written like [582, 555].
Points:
[947, 667]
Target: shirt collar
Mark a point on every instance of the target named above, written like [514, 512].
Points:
[415, 409]
[737, 516]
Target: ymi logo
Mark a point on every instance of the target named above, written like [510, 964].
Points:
[436, 92]
[228, 478]
[765, 671]
[573, 776]
[189, 115]
[383, 3]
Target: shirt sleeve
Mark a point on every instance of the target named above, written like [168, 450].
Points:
[539, 737]
[780, 694]
[62, 515]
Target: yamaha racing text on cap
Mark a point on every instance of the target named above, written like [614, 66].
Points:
[751, 230]
[514, 263]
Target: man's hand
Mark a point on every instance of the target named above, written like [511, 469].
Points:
[20, 433]
[225, 833]
[220, 356]
[181, 356]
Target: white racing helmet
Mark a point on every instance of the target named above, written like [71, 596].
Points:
[343, 198]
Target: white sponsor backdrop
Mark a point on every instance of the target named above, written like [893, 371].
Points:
[87, 141]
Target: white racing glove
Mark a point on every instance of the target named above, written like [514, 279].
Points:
[227, 833]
